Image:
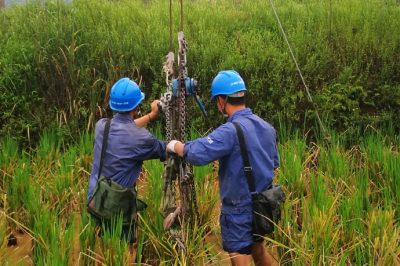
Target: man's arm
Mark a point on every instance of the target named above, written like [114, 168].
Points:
[144, 120]
[204, 150]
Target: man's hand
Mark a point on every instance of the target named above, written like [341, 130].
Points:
[175, 146]
[154, 109]
[171, 146]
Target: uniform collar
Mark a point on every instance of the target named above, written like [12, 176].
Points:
[123, 118]
[243, 112]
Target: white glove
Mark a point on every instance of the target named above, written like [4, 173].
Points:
[171, 146]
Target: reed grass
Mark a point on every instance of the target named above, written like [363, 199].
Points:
[342, 205]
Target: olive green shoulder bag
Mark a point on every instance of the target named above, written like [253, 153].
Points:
[111, 199]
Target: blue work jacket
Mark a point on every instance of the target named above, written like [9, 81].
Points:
[223, 144]
[128, 146]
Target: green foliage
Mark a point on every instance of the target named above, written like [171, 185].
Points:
[58, 60]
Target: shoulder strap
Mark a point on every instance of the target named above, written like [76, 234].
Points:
[104, 148]
[248, 171]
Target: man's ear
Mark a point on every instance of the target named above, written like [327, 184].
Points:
[135, 112]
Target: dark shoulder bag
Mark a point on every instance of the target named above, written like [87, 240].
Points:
[267, 204]
[109, 198]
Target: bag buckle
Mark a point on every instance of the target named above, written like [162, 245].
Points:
[248, 169]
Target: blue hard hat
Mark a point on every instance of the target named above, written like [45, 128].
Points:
[125, 95]
[227, 82]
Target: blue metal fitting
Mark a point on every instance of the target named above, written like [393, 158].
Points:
[190, 85]
[191, 90]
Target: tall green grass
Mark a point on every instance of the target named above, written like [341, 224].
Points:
[349, 209]
[59, 60]
[342, 206]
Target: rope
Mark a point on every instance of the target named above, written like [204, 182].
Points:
[170, 25]
[181, 28]
[330, 18]
[297, 67]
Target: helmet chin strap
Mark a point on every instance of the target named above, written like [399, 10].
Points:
[223, 111]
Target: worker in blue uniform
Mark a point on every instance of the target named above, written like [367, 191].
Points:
[129, 142]
[228, 89]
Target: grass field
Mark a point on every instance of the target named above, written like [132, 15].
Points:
[58, 62]
[342, 206]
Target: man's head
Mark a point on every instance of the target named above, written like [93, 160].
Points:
[228, 88]
[125, 96]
